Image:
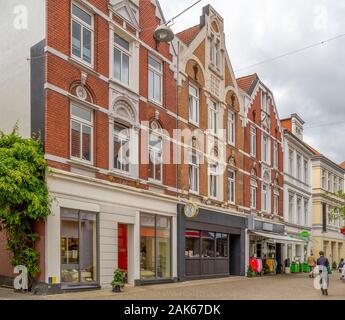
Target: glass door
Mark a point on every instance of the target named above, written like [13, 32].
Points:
[78, 247]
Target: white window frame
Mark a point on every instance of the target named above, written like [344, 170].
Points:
[265, 195]
[154, 150]
[276, 202]
[299, 167]
[122, 139]
[291, 157]
[232, 128]
[194, 173]
[123, 51]
[83, 25]
[306, 212]
[83, 123]
[213, 174]
[323, 179]
[265, 157]
[291, 208]
[213, 114]
[329, 182]
[299, 211]
[231, 186]
[253, 193]
[155, 72]
[275, 155]
[306, 170]
[196, 99]
[335, 183]
[253, 141]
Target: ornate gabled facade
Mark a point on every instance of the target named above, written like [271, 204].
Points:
[210, 173]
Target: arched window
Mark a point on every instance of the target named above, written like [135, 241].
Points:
[276, 197]
[123, 134]
[155, 152]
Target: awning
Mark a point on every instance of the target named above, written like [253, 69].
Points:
[278, 238]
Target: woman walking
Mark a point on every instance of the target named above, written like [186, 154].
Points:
[323, 265]
[311, 263]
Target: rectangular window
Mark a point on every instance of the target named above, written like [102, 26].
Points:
[299, 167]
[121, 59]
[329, 182]
[81, 133]
[264, 197]
[121, 147]
[276, 203]
[291, 162]
[231, 186]
[155, 80]
[306, 169]
[194, 173]
[217, 54]
[82, 34]
[192, 244]
[213, 117]
[340, 184]
[213, 181]
[231, 128]
[253, 141]
[193, 104]
[155, 247]
[207, 244]
[323, 179]
[335, 184]
[155, 153]
[306, 213]
[265, 149]
[253, 190]
[291, 208]
[78, 247]
[275, 155]
[299, 211]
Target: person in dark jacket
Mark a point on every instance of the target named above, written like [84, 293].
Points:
[323, 264]
[341, 265]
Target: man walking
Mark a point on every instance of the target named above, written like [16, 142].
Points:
[323, 265]
[311, 263]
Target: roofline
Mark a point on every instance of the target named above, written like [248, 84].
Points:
[322, 157]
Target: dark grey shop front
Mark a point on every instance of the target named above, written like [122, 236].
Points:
[210, 245]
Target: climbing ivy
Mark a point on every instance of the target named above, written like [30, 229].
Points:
[24, 198]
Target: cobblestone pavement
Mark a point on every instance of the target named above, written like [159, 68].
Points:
[282, 287]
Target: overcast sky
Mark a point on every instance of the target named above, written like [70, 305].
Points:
[310, 83]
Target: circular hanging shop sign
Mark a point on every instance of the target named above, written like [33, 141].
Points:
[191, 210]
[304, 234]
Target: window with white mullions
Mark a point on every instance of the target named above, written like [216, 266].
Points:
[253, 141]
[81, 133]
[121, 59]
[155, 154]
[231, 186]
[193, 104]
[231, 128]
[213, 180]
[213, 117]
[82, 34]
[194, 172]
[155, 80]
[121, 147]
[253, 191]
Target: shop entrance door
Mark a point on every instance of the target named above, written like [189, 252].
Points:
[235, 255]
[122, 247]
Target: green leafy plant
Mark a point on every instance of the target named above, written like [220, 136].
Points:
[119, 278]
[24, 198]
[250, 272]
[340, 213]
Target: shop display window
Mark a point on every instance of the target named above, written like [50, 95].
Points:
[155, 247]
[78, 247]
[207, 244]
[192, 249]
[222, 245]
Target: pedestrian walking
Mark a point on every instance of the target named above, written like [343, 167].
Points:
[311, 263]
[323, 265]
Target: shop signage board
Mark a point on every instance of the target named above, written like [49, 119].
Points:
[267, 226]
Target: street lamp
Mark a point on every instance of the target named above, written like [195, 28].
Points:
[163, 34]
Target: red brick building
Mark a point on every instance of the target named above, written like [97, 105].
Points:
[263, 164]
[103, 96]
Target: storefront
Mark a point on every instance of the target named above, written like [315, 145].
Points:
[99, 227]
[210, 244]
[267, 246]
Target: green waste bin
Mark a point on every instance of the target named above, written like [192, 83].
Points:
[294, 268]
[305, 268]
